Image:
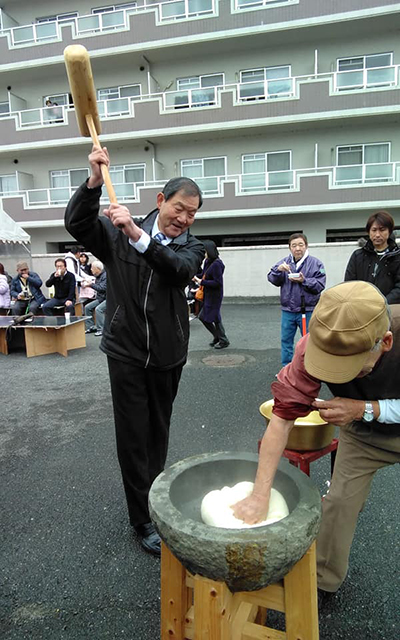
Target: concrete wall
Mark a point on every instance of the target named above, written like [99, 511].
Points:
[246, 268]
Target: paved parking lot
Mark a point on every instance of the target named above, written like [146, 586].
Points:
[70, 567]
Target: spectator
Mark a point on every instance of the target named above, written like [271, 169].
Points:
[212, 281]
[85, 265]
[54, 112]
[378, 261]
[301, 278]
[64, 289]
[5, 298]
[72, 260]
[25, 290]
[100, 288]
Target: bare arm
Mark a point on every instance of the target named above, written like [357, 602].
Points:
[255, 508]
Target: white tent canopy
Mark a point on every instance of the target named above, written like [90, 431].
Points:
[10, 231]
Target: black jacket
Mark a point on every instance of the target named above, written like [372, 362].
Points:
[383, 272]
[64, 287]
[147, 320]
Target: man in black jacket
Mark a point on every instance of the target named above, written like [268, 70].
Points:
[146, 333]
[378, 261]
[64, 284]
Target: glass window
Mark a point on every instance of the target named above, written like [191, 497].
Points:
[364, 163]
[122, 174]
[116, 7]
[8, 184]
[68, 177]
[267, 170]
[273, 81]
[197, 82]
[206, 172]
[4, 109]
[59, 18]
[364, 154]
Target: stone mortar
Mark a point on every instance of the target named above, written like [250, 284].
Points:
[245, 559]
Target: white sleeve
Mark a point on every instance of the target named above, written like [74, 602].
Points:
[142, 244]
[390, 411]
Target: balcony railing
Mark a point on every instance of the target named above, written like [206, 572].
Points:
[364, 173]
[42, 116]
[246, 184]
[366, 78]
[283, 87]
[106, 21]
[255, 4]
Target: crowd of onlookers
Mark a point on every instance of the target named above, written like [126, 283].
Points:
[300, 277]
[74, 280]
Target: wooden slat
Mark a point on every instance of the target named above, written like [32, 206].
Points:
[3, 342]
[301, 604]
[174, 596]
[253, 631]
[271, 597]
[246, 612]
[213, 610]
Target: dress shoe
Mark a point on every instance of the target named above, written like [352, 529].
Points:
[149, 538]
[222, 345]
[214, 342]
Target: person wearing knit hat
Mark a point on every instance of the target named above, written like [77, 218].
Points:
[25, 290]
[353, 346]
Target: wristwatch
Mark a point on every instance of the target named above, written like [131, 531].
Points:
[368, 412]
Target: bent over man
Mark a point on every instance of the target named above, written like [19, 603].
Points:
[146, 333]
[354, 346]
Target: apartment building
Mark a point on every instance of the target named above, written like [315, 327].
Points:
[286, 112]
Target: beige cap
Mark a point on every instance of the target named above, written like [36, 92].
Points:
[22, 265]
[346, 323]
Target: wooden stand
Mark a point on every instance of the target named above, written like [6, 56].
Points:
[196, 608]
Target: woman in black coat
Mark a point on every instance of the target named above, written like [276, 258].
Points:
[212, 281]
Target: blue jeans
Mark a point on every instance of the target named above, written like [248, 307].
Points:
[289, 323]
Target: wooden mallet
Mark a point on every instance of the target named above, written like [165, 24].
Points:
[80, 77]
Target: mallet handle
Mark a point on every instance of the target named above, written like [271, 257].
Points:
[104, 169]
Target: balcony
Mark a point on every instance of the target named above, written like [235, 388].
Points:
[378, 77]
[360, 174]
[165, 21]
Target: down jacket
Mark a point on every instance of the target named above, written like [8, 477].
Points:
[292, 292]
[34, 282]
[382, 271]
[147, 319]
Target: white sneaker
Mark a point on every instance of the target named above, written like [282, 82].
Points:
[98, 333]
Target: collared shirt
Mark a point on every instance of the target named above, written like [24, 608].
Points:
[142, 244]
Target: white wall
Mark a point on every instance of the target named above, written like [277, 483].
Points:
[246, 268]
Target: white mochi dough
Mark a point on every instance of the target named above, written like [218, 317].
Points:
[216, 507]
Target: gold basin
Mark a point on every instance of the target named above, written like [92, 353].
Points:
[308, 434]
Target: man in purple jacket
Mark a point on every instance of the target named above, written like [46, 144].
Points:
[301, 278]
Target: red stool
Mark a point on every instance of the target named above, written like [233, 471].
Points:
[303, 459]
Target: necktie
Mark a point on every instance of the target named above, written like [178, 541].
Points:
[159, 236]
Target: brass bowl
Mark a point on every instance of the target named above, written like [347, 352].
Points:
[308, 434]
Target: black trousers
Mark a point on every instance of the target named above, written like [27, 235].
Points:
[142, 402]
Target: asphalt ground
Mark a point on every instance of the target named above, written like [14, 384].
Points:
[70, 567]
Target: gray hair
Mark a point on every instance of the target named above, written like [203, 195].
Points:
[98, 264]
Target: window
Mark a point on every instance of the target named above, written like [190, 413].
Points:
[60, 99]
[4, 109]
[61, 17]
[364, 72]
[206, 172]
[270, 82]
[252, 4]
[8, 184]
[116, 7]
[198, 91]
[267, 171]
[364, 163]
[116, 101]
[126, 178]
[64, 183]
